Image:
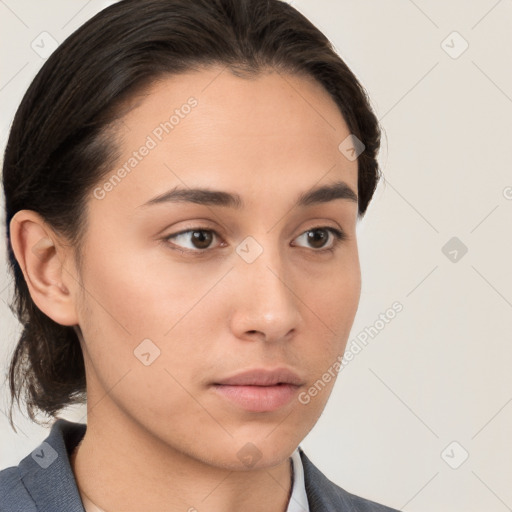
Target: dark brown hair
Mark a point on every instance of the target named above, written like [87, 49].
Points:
[61, 144]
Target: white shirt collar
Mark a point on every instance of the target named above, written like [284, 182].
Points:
[298, 500]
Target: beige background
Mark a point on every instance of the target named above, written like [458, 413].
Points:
[440, 371]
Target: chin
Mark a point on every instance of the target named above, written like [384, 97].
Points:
[250, 459]
[248, 453]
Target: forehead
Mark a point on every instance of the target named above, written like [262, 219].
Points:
[211, 128]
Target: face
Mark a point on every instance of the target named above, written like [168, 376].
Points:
[206, 323]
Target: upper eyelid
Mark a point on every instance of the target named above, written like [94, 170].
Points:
[331, 229]
[205, 228]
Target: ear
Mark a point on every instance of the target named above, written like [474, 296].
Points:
[45, 262]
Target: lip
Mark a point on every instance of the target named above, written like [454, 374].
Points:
[260, 389]
[262, 377]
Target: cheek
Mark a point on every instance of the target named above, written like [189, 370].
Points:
[334, 307]
[142, 293]
[334, 304]
[140, 308]
[139, 329]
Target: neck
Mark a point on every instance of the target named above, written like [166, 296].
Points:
[145, 478]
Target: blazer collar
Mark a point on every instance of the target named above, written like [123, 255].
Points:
[49, 466]
[323, 495]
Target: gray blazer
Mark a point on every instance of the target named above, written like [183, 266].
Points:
[44, 481]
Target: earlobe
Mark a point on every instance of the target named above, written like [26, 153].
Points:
[41, 258]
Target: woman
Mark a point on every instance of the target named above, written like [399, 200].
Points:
[205, 360]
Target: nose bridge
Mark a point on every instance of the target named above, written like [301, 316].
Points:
[266, 300]
[263, 260]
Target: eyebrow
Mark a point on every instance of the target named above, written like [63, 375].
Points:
[209, 197]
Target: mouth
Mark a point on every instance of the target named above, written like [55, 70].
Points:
[259, 390]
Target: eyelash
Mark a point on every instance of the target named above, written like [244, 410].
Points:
[339, 236]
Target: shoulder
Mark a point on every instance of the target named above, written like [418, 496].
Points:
[325, 496]
[44, 480]
[13, 494]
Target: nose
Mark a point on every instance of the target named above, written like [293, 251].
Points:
[265, 304]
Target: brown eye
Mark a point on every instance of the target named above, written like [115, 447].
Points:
[200, 240]
[318, 237]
